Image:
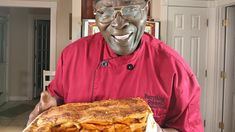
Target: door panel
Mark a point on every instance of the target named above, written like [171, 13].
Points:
[3, 63]
[42, 53]
[2, 83]
[229, 84]
[187, 33]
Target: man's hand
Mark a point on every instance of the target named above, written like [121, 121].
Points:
[152, 126]
[46, 102]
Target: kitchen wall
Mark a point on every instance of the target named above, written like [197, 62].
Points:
[64, 7]
[20, 74]
[19, 50]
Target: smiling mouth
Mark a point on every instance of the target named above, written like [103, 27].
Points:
[122, 37]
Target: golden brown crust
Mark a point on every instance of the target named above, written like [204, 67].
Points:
[125, 115]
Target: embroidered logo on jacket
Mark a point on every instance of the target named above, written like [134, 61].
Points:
[155, 101]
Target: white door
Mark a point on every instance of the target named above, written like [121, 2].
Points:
[3, 64]
[187, 33]
[229, 82]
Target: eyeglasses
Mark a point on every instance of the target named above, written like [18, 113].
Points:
[132, 12]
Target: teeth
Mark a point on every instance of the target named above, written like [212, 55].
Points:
[122, 37]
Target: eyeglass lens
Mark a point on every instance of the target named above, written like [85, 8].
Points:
[107, 14]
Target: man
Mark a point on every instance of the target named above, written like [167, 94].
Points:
[123, 62]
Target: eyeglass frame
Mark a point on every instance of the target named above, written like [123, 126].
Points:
[119, 9]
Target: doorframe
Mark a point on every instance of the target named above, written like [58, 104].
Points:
[52, 5]
[31, 45]
[220, 39]
[7, 53]
[211, 71]
[185, 3]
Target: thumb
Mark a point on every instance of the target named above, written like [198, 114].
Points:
[47, 100]
[45, 97]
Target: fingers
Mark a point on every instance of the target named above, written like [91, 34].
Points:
[46, 102]
[152, 126]
[44, 97]
[34, 114]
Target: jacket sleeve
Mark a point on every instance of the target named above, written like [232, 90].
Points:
[55, 88]
[184, 111]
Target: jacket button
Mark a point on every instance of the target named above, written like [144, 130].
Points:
[104, 63]
[130, 67]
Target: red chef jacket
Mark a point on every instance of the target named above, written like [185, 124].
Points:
[89, 70]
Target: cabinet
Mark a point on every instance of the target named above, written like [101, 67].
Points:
[87, 9]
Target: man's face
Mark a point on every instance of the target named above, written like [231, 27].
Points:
[122, 23]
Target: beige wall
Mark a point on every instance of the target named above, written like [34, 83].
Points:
[77, 15]
[20, 75]
[18, 48]
[64, 7]
[4, 11]
[156, 9]
[20, 63]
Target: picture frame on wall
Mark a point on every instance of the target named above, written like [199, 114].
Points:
[89, 27]
[153, 28]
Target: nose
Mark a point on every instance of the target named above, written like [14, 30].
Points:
[119, 22]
